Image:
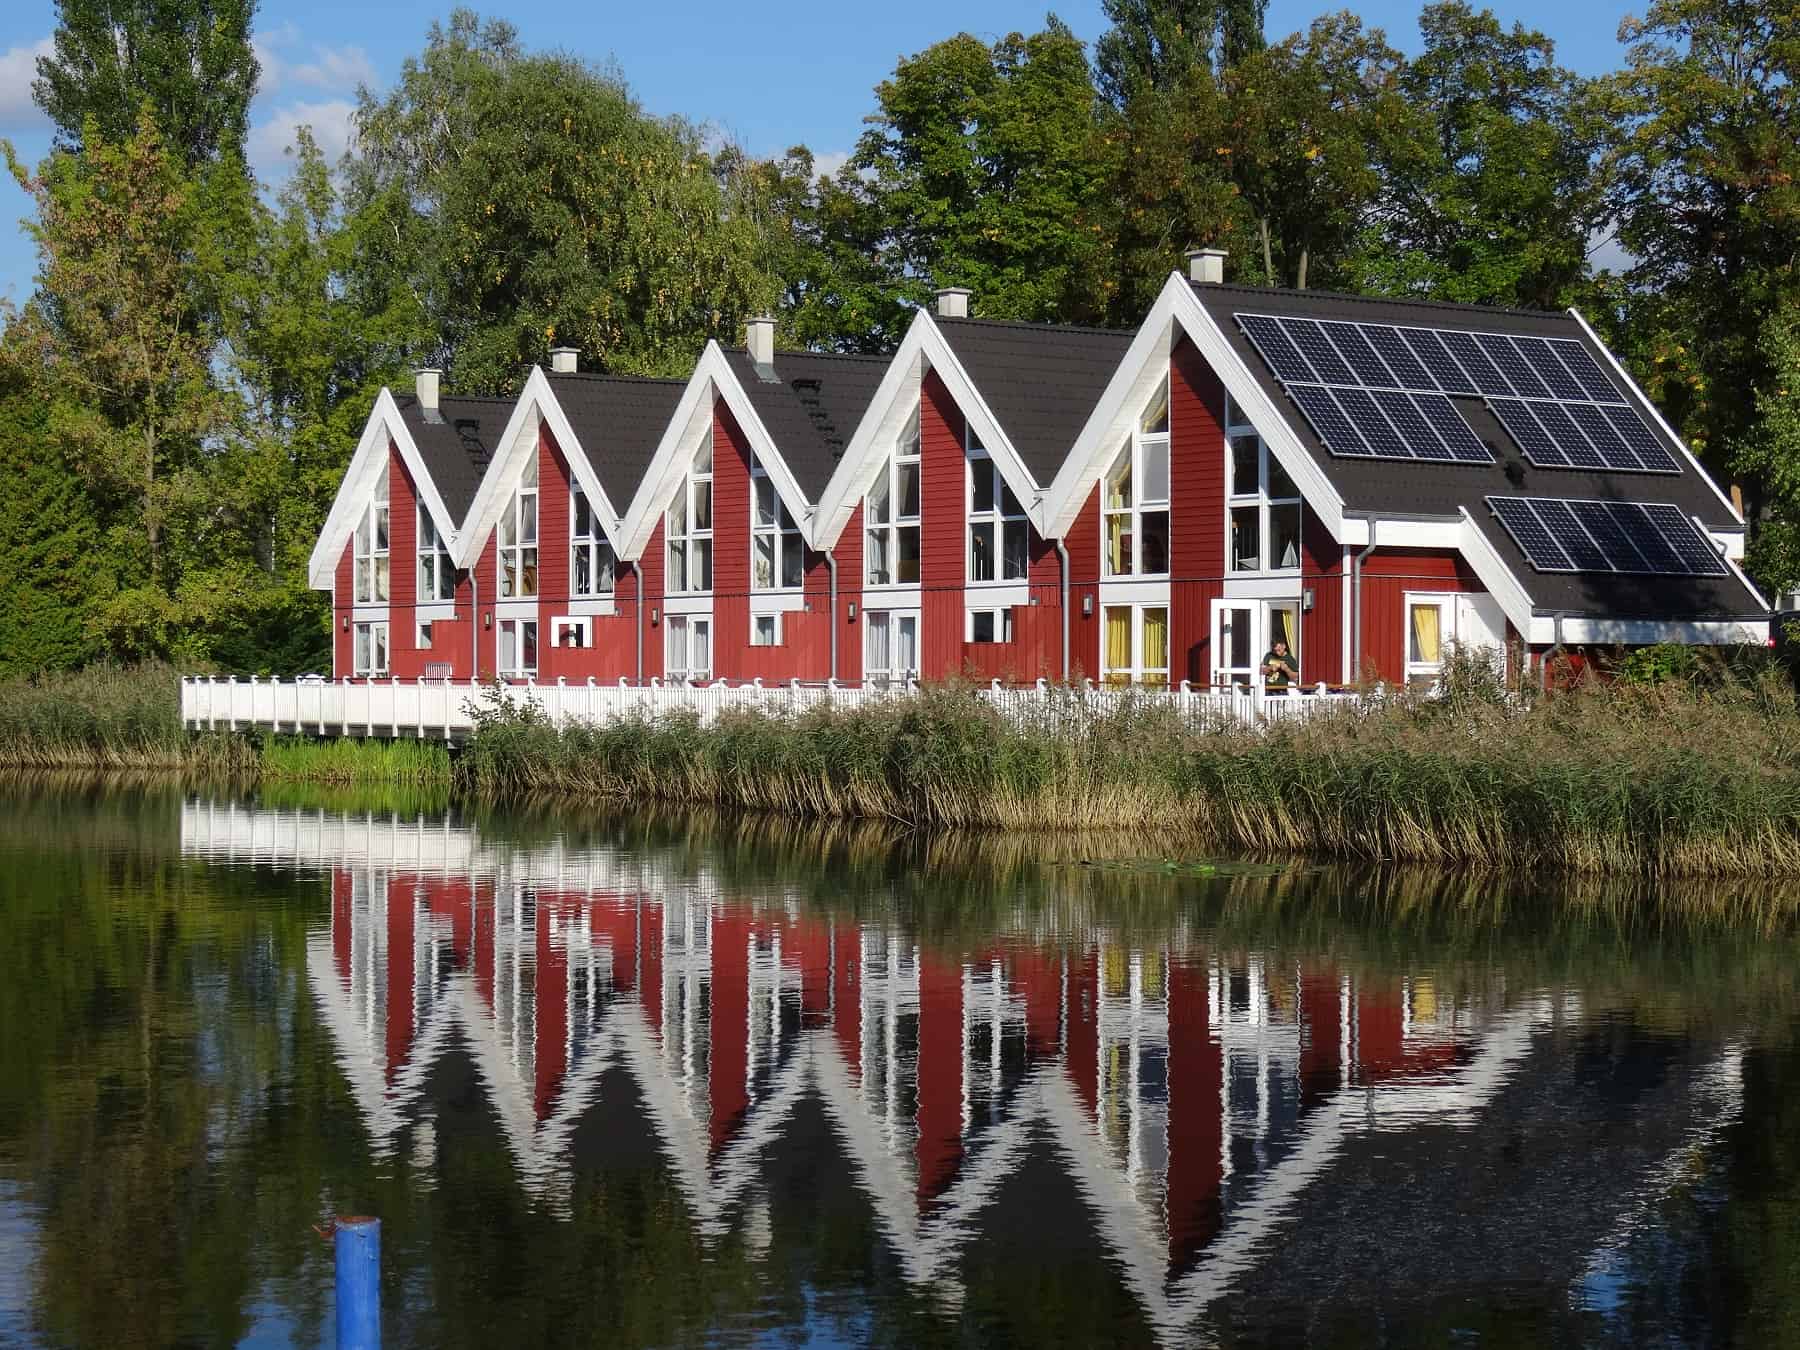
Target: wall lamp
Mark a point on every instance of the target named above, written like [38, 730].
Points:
[487, 619]
[655, 614]
[1087, 606]
[852, 611]
[1306, 598]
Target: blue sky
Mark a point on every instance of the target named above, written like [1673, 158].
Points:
[767, 76]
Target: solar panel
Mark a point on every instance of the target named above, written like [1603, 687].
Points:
[1272, 344]
[1383, 393]
[1328, 420]
[1467, 351]
[1586, 370]
[1528, 532]
[1464, 444]
[1399, 357]
[1500, 350]
[1563, 535]
[1544, 361]
[1411, 424]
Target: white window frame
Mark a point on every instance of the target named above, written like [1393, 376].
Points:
[778, 531]
[1003, 625]
[998, 518]
[435, 567]
[682, 631]
[1132, 513]
[773, 623]
[1426, 673]
[593, 547]
[1138, 672]
[683, 538]
[581, 623]
[371, 572]
[422, 634]
[907, 452]
[1238, 427]
[892, 624]
[520, 523]
[369, 651]
[515, 629]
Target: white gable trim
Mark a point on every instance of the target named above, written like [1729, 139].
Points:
[1147, 358]
[385, 425]
[712, 380]
[1501, 581]
[537, 407]
[923, 348]
[1650, 408]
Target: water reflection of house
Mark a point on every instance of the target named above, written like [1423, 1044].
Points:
[1191, 1094]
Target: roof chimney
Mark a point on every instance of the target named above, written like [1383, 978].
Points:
[953, 302]
[425, 386]
[759, 338]
[563, 360]
[1206, 266]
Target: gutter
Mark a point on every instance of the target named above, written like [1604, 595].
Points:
[1356, 597]
[1062, 558]
[831, 566]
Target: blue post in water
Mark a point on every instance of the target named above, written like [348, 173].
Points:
[358, 1284]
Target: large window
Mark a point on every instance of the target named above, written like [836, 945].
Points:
[1263, 503]
[1136, 497]
[371, 548]
[1427, 630]
[370, 656]
[998, 535]
[689, 650]
[519, 537]
[690, 527]
[890, 647]
[777, 557]
[590, 551]
[891, 516]
[518, 647]
[437, 574]
[1136, 645]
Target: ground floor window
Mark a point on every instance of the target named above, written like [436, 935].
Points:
[1428, 626]
[371, 649]
[573, 632]
[890, 646]
[688, 654]
[765, 630]
[1244, 637]
[518, 647]
[424, 642]
[991, 625]
[1135, 645]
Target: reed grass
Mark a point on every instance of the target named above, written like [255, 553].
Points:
[299, 759]
[1667, 780]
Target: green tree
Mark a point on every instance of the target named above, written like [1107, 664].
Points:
[191, 60]
[1491, 190]
[1155, 45]
[982, 161]
[529, 202]
[1770, 452]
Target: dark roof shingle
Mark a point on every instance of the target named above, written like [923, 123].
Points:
[619, 420]
[812, 407]
[457, 448]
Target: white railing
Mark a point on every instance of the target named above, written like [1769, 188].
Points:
[445, 710]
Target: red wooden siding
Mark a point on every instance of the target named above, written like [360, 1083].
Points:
[1321, 627]
[652, 569]
[942, 506]
[343, 652]
[849, 555]
[1084, 583]
[614, 651]
[1387, 575]
[1197, 511]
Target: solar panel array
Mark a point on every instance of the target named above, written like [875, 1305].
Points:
[1652, 538]
[1374, 390]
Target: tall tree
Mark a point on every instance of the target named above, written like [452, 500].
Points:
[530, 203]
[191, 60]
[1492, 191]
[1154, 45]
[1707, 196]
[982, 167]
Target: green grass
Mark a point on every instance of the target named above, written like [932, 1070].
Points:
[296, 759]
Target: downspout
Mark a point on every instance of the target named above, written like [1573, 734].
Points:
[1354, 674]
[475, 622]
[637, 587]
[1062, 558]
[1556, 646]
[831, 566]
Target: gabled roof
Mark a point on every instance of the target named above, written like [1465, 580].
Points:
[810, 408]
[618, 420]
[1041, 380]
[457, 448]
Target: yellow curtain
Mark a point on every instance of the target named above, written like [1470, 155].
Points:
[1425, 633]
[1156, 646]
[1118, 642]
[1281, 626]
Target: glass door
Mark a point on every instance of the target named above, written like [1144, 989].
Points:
[1234, 644]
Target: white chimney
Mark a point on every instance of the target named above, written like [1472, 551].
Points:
[425, 385]
[1206, 266]
[563, 360]
[953, 302]
[759, 338]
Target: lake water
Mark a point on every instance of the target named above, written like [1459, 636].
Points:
[679, 1081]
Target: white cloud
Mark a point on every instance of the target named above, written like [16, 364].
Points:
[287, 62]
[18, 68]
[827, 163]
[332, 122]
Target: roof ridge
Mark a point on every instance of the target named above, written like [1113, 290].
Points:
[812, 355]
[1032, 324]
[1285, 292]
[608, 375]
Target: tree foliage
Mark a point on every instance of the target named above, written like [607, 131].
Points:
[1155, 44]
